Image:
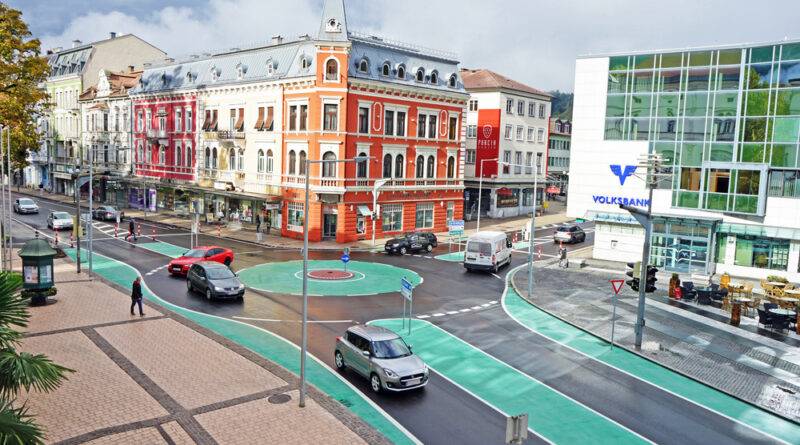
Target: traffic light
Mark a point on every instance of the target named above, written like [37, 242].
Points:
[650, 279]
[634, 272]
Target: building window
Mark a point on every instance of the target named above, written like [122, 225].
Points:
[292, 117]
[420, 77]
[532, 109]
[178, 154]
[363, 66]
[207, 160]
[424, 218]
[451, 167]
[432, 126]
[270, 68]
[240, 160]
[451, 210]
[189, 120]
[292, 162]
[301, 163]
[270, 161]
[399, 166]
[784, 183]
[361, 225]
[531, 134]
[392, 217]
[401, 72]
[434, 78]
[520, 107]
[528, 159]
[472, 131]
[452, 128]
[361, 166]
[558, 127]
[541, 135]
[162, 155]
[761, 252]
[542, 110]
[431, 166]
[331, 122]
[400, 128]
[421, 125]
[420, 167]
[509, 106]
[331, 69]
[538, 163]
[473, 105]
[508, 130]
[388, 122]
[452, 83]
[506, 160]
[148, 120]
[260, 162]
[189, 159]
[232, 159]
[470, 157]
[294, 217]
[329, 167]
[567, 127]
[387, 166]
[386, 70]
[363, 120]
[520, 132]
[303, 124]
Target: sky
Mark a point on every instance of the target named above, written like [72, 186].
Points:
[531, 41]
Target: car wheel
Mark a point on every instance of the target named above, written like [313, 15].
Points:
[375, 383]
[428, 247]
[227, 261]
[583, 238]
[339, 360]
[494, 268]
[403, 251]
[189, 285]
[208, 294]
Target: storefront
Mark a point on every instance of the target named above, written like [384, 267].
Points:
[683, 244]
[271, 214]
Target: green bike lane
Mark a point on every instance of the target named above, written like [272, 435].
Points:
[647, 371]
[269, 345]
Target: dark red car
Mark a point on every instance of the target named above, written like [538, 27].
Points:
[181, 264]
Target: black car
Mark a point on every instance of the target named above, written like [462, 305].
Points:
[569, 234]
[411, 242]
[214, 280]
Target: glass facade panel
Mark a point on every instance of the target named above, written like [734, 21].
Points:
[759, 76]
[640, 129]
[788, 103]
[694, 129]
[763, 54]
[644, 62]
[723, 129]
[642, 81]
[614, 129]
[791, 52]
[730, 57]
[700, 59]
[721, 153]
[784, 155]
[672, 60]
[618, 63]
[696, 104]
[667, 105]
[615, 106]
[755, 130]
[788, 74]
[757, 102]
[787, 129]
[669, 80]
[728, 78]
[752, 153]
[692, 155]
[666, 150]
[725, 104]
[666, 129]
[640, 105]
[762, 252]
[617, 82]
[697, 79]
[689, 200]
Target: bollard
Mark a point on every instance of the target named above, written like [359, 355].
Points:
[219, 230]
[154, 233]
[56, 230]
[560, 245]
[115, 230]
[138, 229]
[540, 253]
[71, 243]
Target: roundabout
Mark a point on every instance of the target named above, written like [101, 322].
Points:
[327, 278]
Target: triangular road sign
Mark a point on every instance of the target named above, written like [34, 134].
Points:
[617, 285]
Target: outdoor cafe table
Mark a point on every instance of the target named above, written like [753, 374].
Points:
[781, 311]
[776, 283]
[742, 300]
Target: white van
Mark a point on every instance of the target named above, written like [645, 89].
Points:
[487, 251]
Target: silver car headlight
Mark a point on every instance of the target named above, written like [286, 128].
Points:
[218, 289]
[425, 369]
[389, 373]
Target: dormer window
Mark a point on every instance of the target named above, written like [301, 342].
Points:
[189, 77]
[164, 79]
[214, 74]
[386, 69]
[401, 72]
[452, 81]
[434, 78]
[304, 63]
[331, 70]
[363, 66]
[420, 77]
[239, 72]
[270, 67]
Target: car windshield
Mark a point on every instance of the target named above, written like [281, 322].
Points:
[563, 229]
[394, 348]
[219, 273]
[61, 216]
[26, 201]
[195, 253]
[482, 248]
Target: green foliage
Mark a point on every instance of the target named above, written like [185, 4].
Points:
[777, 279]
[33, 372]
[561, 105]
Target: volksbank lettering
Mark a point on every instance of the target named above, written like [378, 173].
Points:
[638, 202]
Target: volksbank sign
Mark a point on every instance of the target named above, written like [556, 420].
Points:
[622, 172]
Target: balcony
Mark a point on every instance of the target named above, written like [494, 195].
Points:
[38, 156]
[230, 135]
[156, 133]
[64, 160]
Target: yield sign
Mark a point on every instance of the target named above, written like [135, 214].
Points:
[617, 285]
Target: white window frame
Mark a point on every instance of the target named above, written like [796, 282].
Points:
[178, 155]
[397, 109]
[540, 136]
[178, 119]
[532, 109]
[188, 115]
[520, 107]
[508, 132]
[509, 106]
[428, 115]
[261, 161]
[240, 159]
[188, 153]
[473, 105]
[520, 133]
[394, 209]
[293, 223]
[531, 134]
[270, 161]
[326, 103]
[337, 78]
[470, 156]
[426, 208]
[542, 110]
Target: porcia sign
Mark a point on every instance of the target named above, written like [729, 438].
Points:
[622, 172]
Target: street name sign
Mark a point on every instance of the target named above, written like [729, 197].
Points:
[456, 228]
[405, 288]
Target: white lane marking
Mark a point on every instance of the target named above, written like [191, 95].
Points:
[451, 312]
[497, 276]
[475, 307]
[505, 308]
[438, 314]
[465, 310]
[293, 321]
[422, 317]
[486, 305]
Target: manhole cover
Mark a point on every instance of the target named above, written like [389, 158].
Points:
[330, 274]
[279, 398]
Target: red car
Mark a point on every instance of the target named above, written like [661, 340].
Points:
[182, 264]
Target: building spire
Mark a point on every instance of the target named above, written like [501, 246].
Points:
[333, 27]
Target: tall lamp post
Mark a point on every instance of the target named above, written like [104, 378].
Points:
[305, 272]
[480, 189]
[378, 184]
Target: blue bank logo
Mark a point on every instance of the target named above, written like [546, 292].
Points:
[622, 174]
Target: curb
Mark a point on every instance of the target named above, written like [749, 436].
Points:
[639, 354]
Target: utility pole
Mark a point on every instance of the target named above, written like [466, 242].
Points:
[3, 202]
[91, 192]
[10, 233]
[77, 224]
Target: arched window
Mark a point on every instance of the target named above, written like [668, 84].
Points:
[207, 162]
[292, 162]
[332, 70]
[189, 158]
[398, 166]
[361, 167]
[178, 155]
[401, 72]
[270, 67]
[387, 166]
[269, 161]
[240, 160]
[451, 167]
[329, 168]
[452, 81]
[304, 63]
[162, 155]
[431, 166]
[301, 168]
[232, 159]
[434, 78]
[386, 70]
[214, 158]
[260, 161]
[420, 75]
[420, 166]
[363, 66]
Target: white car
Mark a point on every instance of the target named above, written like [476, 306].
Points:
[25, 205]
[59, 220]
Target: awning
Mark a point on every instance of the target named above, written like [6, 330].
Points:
[553, 189]
[364, 211]
[763, 231]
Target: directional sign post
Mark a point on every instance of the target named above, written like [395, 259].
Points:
[456, 229]
[345, 259]
[617, 285]
[407, 290]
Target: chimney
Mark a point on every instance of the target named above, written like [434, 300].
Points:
[76, 43]
[112, 35]
[169, 60]
[130, 68]
[277, 40]
[304, 37]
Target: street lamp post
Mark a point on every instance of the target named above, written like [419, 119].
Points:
[378, 184]
[480, 190]
[3, 204]
[305, 273]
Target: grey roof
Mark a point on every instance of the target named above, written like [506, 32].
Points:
[333, 10]
[70, 61]
[286, 60]
[378, 51]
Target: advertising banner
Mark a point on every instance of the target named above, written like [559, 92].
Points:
[488, 145]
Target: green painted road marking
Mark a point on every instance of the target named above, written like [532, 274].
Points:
[551, 327]
[455, 257]
[287, 278]
[165, 249]
[269, 345]
[521, 245]
[551, 414]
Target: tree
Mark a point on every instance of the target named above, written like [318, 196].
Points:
[22, 70]
[562, 105]
[20, 369]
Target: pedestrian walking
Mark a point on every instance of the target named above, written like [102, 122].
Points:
[136, 296]
[562, 257]
[41, 189]
[258, 223]
[131, 230]
[268, 221]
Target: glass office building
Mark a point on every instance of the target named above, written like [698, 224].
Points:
[727, 122]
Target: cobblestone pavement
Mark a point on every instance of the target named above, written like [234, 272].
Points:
[161, 379]
[757, 369]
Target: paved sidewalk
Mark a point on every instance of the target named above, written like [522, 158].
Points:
[162, 379]
[556, 214]
[755, 368]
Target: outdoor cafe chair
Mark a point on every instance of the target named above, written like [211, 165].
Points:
[764, 317]
[780, 321]
[703, 296]
[688, 292]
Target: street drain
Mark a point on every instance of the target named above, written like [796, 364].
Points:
[279, 398]
[784, 389]
[345, 402]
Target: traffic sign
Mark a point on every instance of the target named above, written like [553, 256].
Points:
[345, 258]
[347, 251]
[456, 228]
[617, 285]
[405, 288]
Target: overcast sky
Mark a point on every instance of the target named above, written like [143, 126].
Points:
[534, 42]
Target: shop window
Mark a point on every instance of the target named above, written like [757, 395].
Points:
[424, 217]
[451, 209]
[294, 218]
[392, 217]
[762, 253]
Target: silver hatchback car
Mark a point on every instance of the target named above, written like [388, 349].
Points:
[381, 356]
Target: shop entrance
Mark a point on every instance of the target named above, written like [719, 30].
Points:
[682, 246]
[329, 226]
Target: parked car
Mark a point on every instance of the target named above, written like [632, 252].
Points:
[25, 205]
[487, 251]
[108, 213]
[59, 220]
[411, 242]
[181, 264]
[569, 234]
[381, 356]
[214, 280]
